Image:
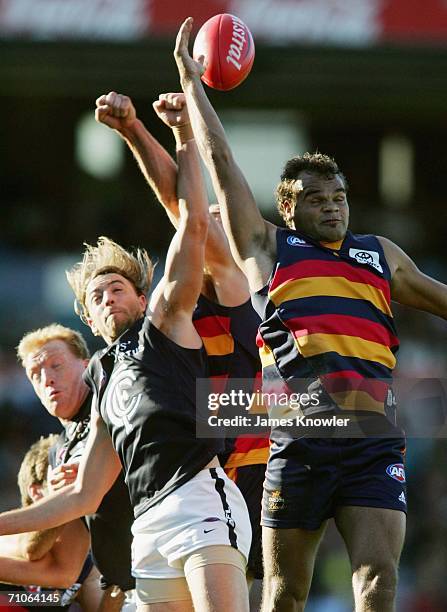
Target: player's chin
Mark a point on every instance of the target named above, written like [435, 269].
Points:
[332, 233]
[117, 326]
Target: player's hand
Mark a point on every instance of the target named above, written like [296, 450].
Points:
[187, 67]
[171, 109]
[115, 110]
[62, 476]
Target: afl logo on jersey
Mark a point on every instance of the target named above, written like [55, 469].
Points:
[396, 471]
[295, 241]
[369, 258]
[119, 405]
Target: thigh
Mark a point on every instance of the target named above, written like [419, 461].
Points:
[216, 579]
[373, 536]
[162, 595]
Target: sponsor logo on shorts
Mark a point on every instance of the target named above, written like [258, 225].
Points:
[402, 498]
[369, 258]
[295, 241]
[275, 501]
[396, 471]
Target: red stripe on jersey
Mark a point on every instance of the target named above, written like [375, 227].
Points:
[317, 267]
[344, 325]
[207, 327]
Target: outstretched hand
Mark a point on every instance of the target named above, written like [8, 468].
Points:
[171, 109]
[115, 110]
[187, 66]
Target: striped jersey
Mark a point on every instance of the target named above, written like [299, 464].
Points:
[327, 317]
[229, 336]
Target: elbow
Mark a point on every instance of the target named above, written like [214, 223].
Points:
[220, 157]
[68, 578]
[198, 224]
[62, 577]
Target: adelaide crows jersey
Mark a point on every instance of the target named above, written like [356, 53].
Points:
[327, 317]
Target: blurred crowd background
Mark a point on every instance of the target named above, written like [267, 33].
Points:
[362, 80]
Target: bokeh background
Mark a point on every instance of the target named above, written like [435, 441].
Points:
[362, 80]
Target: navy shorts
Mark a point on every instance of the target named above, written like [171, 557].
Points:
[310, 477]
[249, 479]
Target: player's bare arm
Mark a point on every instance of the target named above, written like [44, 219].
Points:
[252, 239]
[227, 278]
[59, 567]
[410, 286]
[159, 169]
[175, 297]
[35, 544]
[98, 471]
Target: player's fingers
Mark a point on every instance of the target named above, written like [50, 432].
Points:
[158, 106]
[101, 112]
[181, 42]
[126, 106]
[111, 98]
[101, 100]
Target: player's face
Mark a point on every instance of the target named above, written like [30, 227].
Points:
[56, 375]
[113, 305]
[321, 209]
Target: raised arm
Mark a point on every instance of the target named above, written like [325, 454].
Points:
[229, 282]
[175, 297]
[98, 470]
[410, 286]
[252, 239]
[159, 169]
[118, 112]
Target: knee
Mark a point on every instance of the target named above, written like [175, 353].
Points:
[282, 591]
[375, 577]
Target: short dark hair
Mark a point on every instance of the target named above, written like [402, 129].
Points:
[317, 163]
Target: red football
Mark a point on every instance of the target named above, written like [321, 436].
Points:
[229, 51]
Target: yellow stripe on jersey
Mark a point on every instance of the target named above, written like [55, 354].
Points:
[333, 286]
[357, 400]
[266, 356]
[255, 456]
[219, 345]
[348, 346]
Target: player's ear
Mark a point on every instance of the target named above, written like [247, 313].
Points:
[92, 326]
[143, 302]
[289, 209]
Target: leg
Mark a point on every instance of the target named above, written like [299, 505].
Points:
[289, 558]
[163, 595]
[374, 538]
[167, 606]
[249, 479]
[217, 586]
[254, 593]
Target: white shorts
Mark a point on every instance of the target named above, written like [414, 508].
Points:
[208, 510]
